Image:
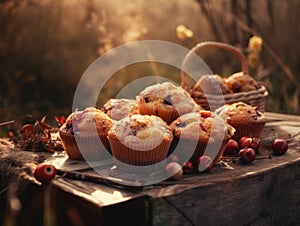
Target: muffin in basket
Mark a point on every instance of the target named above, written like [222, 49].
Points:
[212, 85]
[166, 100]
[117, 109]
[140, 140]
[241, 82]
[84, 134]
[246, 119]
[199, 132]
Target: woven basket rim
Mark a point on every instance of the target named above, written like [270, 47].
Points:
[261, 92]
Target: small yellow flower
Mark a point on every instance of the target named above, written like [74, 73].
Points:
[253, 60]
[255, 44]
[183, 32]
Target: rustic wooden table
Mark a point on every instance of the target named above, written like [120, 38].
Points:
[265, 192]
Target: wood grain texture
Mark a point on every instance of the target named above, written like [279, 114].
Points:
[270, 198]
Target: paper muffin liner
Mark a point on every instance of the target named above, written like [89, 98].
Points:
[168, 115]
[132, 160]
[254, 130]
[85, 147]
[191, 150]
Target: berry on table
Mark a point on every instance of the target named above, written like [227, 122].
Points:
[188, 167]
[251, 142]
[232, 147]
[279, 146]
[244, 139]
[173, 170]
[45, 172]
[247, 155]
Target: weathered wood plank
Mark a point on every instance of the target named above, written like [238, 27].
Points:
[269, 198]
[94, 204]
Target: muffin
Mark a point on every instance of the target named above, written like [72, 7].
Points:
[198, 132]
[117, 109]
[140, 140]
[240, 82]
[84, 134]
[246, 119]
[166, 100]
[212, 85]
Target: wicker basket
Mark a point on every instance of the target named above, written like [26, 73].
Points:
[253, 98]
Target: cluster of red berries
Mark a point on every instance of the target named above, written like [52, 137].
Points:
[245, 149]
[248, 147]
[175, 170]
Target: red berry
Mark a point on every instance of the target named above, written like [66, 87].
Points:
[241, 140]
[188, 167]
[247, 155]
[250, 142]
[173, 170]
[279, 146]
[255, 145]
[45, 172]
[204, 163]
[231, 147]
[245, 142]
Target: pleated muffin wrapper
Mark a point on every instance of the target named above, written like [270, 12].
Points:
[86, 146]
[191, 150]
[139, 158]
[167, 114]
[252, 130]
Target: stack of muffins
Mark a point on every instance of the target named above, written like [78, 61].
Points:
[144, 131]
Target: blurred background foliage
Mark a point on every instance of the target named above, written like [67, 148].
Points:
[46, 45]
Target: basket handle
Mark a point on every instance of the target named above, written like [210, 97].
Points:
[212, 44]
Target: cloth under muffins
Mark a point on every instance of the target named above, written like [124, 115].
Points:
[199, 132]
[246, 119]
[166, 100]
[117, 109]
[140, 140]
[84, 134]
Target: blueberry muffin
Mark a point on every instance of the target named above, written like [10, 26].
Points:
[199, 132]
[166, 100]
[84, 134]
